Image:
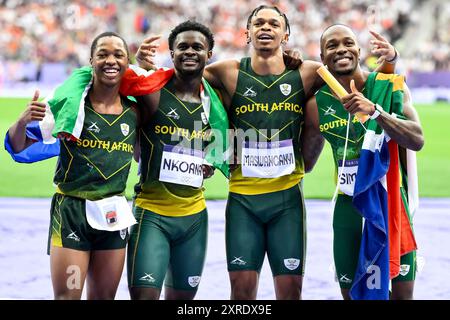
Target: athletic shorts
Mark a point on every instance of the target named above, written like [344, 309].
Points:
[347, 226]
[163, 244]
[69, 228]
[272, 222]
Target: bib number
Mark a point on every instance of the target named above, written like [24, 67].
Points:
[181, 166]
[347, 177]
[267, 159]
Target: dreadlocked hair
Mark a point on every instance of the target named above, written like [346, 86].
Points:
[264, 6]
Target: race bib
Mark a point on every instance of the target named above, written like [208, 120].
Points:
[267, 159]
[347, 177]
[181, 166]
[110, 214]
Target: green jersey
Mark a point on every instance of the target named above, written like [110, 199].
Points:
[97, 165]
[270, 106]
[164, 187]
[333, 125]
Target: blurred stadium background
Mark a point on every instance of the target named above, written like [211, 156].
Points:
[43, 40]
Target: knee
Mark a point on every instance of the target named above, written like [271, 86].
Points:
[288, 287]
[243, 288]
[406, 294]
[67, 295]
[102, 295]
[144, 293]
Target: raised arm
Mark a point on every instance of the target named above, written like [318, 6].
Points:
[311, 139]
[386, 51]
[35, 111]
[407, 133]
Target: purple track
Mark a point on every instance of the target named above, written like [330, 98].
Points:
[25, 271]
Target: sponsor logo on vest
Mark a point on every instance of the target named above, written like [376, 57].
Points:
[329, 111]
[194, 281]
[249, 92]
[404, 269]
[285, 88]
[173, 114]
[125, 128]
[93, 127]
[291, 263]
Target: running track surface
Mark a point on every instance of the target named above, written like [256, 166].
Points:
[25, 270]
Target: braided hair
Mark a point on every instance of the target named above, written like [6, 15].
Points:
[264, 6]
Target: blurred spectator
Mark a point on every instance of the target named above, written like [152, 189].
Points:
[43, 31]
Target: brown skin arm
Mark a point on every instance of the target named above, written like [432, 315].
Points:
[386, 51]
[148, 105]
[35, 111]
[311, 140]
[310, 78]
[407, 133]
[223, 75]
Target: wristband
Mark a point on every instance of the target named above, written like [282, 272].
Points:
[377, 112]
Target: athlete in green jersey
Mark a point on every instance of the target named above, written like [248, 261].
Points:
[168, 245]
[93, 168]
[265, 205]
[326, 115]
[265, 211]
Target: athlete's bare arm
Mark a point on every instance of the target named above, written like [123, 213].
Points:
[35, 111]
[311, 141]
[148, 105]
[407, 133]
[311, 80]
[386, 51]
[223, 75]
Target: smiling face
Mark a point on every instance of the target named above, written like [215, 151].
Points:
[190, 52]
[340, 51]
[267, 30]
[109, 60]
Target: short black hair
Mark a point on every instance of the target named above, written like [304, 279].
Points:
[326, 29]
[108, 34]
[191, 25]
[264, 6]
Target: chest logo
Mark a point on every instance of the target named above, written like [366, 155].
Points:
[329, 111]
[93, 127]
[285, 88]
[250, 92]
[125, 128]
[173, 114]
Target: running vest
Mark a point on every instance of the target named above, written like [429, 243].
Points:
[160, 161]
[333, 126]
[97, 165]
[270, 108]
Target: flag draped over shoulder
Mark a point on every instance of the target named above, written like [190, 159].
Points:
[385, 236]
[64, 115]
[138, 83]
